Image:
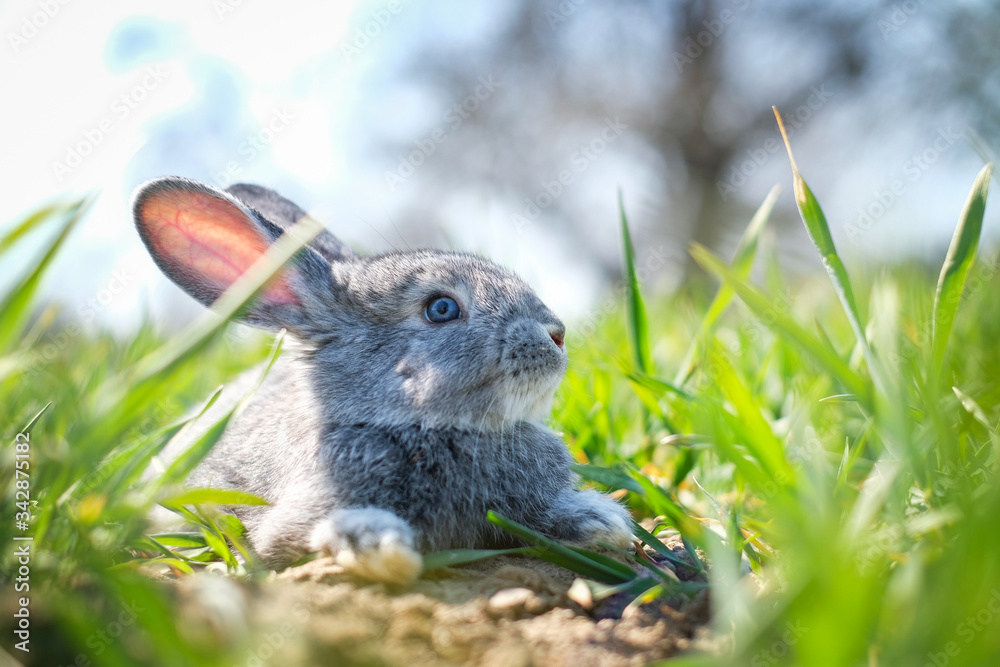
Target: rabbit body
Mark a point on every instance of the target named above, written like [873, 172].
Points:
[410, 400]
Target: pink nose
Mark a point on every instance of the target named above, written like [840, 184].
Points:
[557, 337]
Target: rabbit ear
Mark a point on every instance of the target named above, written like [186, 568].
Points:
[204, 240]
[284, 214]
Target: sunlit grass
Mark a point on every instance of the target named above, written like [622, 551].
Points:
[831, 467]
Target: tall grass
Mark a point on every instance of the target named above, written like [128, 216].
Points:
[827, 449]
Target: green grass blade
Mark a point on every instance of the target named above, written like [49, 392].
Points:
[609, 477]
[559, 554]
[182, 466]
[235, 532]
[244, 289]
[607, 561]
[974, 409]
[16, 306]
[957, 263]
[218, 545]
[193, 455]
[182, 540]
[217, 496]
[774, 317]
[120, 469]
[155, 545]
[819, 232]
[759, 438]
[450, 557]
[174, 561]
[741, 264]
[26, 226]
[659, 547]
[662, 503]
[686, 462]
[120, 463]
[746, 249]
[635, 308]
[34, 420]
[874, 493]
[631, 589]
[657, 386]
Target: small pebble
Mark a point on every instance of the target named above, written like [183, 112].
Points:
[510, 599]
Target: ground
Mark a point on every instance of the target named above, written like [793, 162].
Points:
[508, 610]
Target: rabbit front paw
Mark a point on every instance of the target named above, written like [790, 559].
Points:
[588, 518]
[370, 543]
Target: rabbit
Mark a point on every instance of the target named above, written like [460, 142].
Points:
[411, 396]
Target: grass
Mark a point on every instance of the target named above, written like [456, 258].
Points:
[827, 449]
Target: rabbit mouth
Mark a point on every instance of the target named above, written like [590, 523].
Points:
[532, 365]
[532, 405]
[530, 391]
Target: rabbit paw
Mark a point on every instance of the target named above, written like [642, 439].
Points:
[370, 543]
[588, 518]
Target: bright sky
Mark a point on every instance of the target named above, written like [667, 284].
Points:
[95, 88]
[99, 99]
[107, 99]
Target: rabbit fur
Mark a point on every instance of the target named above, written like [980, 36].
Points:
[378, 434]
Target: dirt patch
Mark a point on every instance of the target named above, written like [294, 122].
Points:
[508, 611]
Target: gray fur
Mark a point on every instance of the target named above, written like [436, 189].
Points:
[376, 424]
[273, 207]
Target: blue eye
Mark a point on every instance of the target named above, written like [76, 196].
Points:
[442, 309]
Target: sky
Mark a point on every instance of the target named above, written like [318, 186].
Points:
[106, 98]
[111, 98]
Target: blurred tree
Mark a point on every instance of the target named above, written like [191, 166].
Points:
[693, 82]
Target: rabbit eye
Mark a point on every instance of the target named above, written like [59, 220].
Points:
[442, 309]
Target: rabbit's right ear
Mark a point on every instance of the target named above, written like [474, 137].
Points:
[205, 239]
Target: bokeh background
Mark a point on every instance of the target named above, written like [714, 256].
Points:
[502, 128]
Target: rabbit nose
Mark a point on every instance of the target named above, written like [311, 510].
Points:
[557, 333]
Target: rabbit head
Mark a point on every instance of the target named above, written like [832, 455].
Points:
[442, 339]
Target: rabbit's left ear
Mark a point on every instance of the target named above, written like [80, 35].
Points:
[284, 214]
[204, 240]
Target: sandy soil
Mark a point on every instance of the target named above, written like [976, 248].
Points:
[510, 610]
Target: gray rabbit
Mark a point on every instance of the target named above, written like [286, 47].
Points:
[410, 398]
